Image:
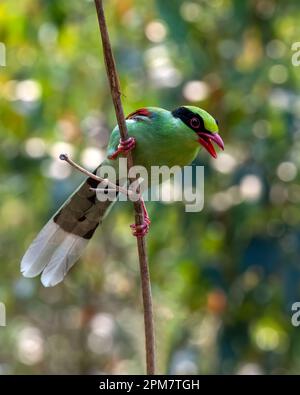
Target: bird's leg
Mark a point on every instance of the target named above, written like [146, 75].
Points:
[142, 230]
[123, 148]
[146, 215]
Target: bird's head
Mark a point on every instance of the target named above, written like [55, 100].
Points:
[203, 125]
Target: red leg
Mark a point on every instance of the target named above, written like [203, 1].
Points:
[142, 230]
[123, 148]
[146, 215]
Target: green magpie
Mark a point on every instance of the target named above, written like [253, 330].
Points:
[157, 137]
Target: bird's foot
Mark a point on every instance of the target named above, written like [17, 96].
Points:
[142, 230]
[123, 148]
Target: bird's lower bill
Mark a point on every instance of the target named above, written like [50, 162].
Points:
[206, 139]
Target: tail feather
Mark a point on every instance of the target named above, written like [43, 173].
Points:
[63, 258]
[62, 240]
[41, 249]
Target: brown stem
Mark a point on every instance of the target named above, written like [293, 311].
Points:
[66, 158]
[139, 215]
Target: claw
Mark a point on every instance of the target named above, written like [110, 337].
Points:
[123, 148]
[142, 230]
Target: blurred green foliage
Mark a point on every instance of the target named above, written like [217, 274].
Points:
[224, 279]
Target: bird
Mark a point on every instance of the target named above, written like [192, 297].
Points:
[156, 137]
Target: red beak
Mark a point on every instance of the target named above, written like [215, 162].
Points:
[205, 139]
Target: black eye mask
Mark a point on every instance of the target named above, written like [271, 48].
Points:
[186, 116]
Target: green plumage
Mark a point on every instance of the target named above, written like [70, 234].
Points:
[162, 138]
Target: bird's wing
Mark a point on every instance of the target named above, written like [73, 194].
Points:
[62, 240]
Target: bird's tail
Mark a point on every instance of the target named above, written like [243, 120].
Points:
[62, 240]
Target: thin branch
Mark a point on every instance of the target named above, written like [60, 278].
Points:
[105, 181]
[139, 214]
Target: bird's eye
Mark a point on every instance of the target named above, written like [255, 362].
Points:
[194, 122]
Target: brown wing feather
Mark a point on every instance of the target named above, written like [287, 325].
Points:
[82, 214]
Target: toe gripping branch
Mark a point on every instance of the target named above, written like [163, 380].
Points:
[142, 230]
[123, 148]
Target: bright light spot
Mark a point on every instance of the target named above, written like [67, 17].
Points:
[278, 74]
[100, 339]
[287, 171]
[35, 147]
[61, 148]
[99, 344]
[183, 363]
[224, 163]
[161, 70]
[262, 128]
[58, 170]
[280, 98]
[30, 345]
[221, 201]
[156, 31]
[28, 90]
[190, 11]
[166, 76]
[267, 338]
[196, 91]
[184, 367]
[103, 324]
[275, 49]
[251, 188]
[48, 34]
[157, 56]
[91, 157]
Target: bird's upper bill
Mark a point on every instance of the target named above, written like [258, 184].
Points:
[206, 139]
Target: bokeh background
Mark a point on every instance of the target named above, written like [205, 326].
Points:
[223, 279]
